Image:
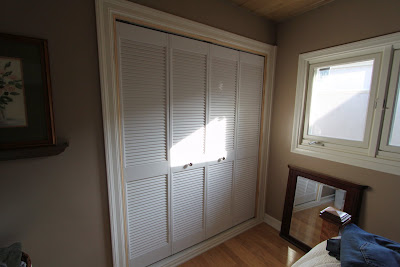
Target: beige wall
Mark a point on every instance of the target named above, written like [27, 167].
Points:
[337, 23]
[58, 206]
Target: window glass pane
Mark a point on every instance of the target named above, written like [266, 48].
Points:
[339, 100]
[395, 130]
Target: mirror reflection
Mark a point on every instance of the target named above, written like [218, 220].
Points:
[310, 198]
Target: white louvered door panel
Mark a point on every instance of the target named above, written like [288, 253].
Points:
[249, 112]
[189, 84]
[222, 103]
[188, 108]
[187, 208]
[147, 215]
[143, 80]
[248, 135]
[219, 198]
[245, 189]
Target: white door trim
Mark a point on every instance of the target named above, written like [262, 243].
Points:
[107, 11]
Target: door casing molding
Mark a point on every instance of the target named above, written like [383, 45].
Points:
[107, 12]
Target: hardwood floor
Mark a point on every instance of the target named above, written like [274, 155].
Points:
[306, 225]
[259, 246]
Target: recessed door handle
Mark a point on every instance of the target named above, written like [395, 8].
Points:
[187, 165]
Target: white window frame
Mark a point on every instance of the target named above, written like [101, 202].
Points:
[374, 83]
[364, 154]
[385, 150]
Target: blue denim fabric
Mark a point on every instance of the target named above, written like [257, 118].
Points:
[333, 246]
[360, 248]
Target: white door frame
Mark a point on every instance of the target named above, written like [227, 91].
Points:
[107, 12]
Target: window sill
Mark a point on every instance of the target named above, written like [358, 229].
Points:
[363, 161]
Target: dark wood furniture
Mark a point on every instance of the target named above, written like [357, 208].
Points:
[352, 203]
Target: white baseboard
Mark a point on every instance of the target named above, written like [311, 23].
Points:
[276, 224]
[198, 249]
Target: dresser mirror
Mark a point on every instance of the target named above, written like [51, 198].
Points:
[309, 192]
[311, 197]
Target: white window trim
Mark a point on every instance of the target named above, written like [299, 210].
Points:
[374, 83]
[391, 104]
[369, 159]
[106, 13]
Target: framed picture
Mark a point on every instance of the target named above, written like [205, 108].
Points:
[26, 116]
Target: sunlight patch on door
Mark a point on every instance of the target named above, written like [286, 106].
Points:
[191, 148]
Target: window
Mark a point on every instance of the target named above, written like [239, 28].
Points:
[347, 104]
[391, 125]
[339, 101]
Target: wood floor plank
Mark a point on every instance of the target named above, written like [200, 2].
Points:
[306, 224]
[259, 246]
[219, 257]
[238, 261]
[242, 250]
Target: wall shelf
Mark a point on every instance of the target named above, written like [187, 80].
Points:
[33, 151]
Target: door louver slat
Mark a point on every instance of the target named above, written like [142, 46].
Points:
[141, 99]
[189, 87]
[147, 213]
[219, 197]
[249, 105]
[223, 101]
[188, 209]
[245, 189]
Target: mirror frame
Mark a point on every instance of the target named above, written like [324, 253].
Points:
[354, 193]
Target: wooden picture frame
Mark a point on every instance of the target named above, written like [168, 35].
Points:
[354, 194]
[26, 113]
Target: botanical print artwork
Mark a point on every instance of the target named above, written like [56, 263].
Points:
[12, 95]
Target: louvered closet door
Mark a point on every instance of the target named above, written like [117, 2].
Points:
[306, 191]
[219, 198]
[248, 135]
[222, 99]
[142, 56]
[221, 138]
[188, 110]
